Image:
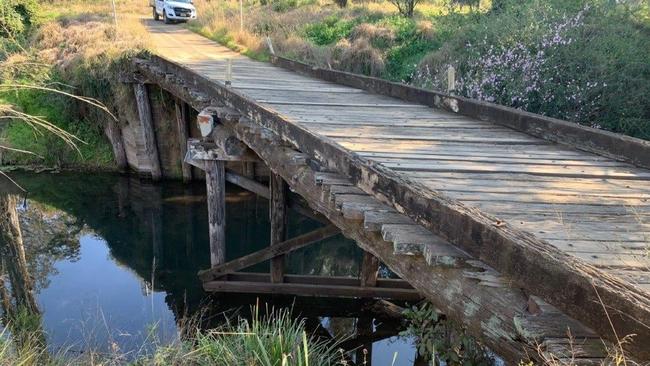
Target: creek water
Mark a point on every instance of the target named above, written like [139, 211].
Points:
[115, 260]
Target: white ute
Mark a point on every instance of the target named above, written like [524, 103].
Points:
[173, 10]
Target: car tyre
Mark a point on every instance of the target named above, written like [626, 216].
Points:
[155, 14]
[165, 19]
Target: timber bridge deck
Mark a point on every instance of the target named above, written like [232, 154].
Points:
[492, 214]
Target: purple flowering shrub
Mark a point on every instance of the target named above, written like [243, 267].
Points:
[590, 65]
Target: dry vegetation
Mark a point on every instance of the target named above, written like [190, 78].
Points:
[75, 49]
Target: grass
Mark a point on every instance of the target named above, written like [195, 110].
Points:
[75, 50]
[273, 338]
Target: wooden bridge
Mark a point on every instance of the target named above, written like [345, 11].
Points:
[534, 233]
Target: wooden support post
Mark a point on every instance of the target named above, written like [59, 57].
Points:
[278, 212]
[182, 111]
[215, 180]
[114, 133]
[148, 134]
[248, 169]
[369, 270]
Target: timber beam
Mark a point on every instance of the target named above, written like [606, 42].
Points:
[305, 285]
[589, 293]
[210, 150]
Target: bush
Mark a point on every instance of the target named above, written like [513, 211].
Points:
[16, 16]
[283, 5]
[329, 31]
[583, 61]
[405, 7]
[359, 57]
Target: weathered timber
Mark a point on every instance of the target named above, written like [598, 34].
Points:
[204, 150]
[209, 122]
[315, 280]
[459, 295]
[369, 270]
[148, 131]
[248, 184]
[270, 252]
[306, 287]
[215, 180]
[296, 203]
[594, 140]
[248, 169]
[514, 252]
[182, 125]
[114, 133]
[278, 216]
[227, 141]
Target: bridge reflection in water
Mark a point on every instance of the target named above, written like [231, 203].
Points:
[112, 257]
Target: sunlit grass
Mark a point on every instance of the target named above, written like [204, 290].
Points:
[272, 338]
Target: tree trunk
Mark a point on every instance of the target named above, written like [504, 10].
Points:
[12, 254]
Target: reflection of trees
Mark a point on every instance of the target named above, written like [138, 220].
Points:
[49, 236]
[140, 221]
[20, 312]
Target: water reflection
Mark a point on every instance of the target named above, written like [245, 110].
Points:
[114, 260]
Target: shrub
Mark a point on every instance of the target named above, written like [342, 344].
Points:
[359, 57]
[575, 60]
[16, 16]
[283, 5]
[379, 36]
[405, 7]
[330, 30]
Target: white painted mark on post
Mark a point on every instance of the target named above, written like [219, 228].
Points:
[229, 72]
[451, 79]
[206, 122]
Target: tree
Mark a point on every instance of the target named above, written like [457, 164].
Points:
[406, 7]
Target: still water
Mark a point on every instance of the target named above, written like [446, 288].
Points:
[114, 261]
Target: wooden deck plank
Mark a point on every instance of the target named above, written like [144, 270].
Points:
[421, 170]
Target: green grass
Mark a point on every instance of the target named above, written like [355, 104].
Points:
[225, 37]
[271, 339]
[94, 153]
[331, 30]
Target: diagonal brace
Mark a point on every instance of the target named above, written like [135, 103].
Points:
[269, 252]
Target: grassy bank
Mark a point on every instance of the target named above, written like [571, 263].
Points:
[72, 47]
[580, 60]
[273, 338]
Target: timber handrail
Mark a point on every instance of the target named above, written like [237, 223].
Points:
[601, 142]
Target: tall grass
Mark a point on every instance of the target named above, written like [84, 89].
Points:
[274, 338]
[270, 339]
